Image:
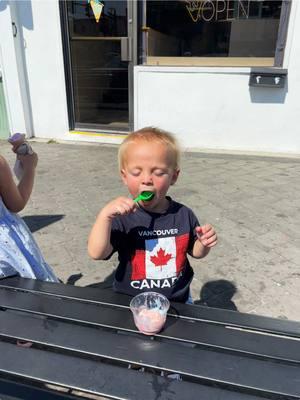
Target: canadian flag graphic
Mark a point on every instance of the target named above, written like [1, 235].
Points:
[162, 258]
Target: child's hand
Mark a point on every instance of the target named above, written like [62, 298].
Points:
[28, 161]
[206, 235]
[15, 146]
[119, 206]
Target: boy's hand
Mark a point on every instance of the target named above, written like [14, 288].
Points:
[119, 206]
[206, 235]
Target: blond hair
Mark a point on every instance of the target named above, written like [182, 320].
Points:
[149, 135]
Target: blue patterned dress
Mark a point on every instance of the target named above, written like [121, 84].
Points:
[19, 252]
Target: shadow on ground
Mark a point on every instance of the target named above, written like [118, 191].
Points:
[218, 294]
[36, 222]
[106, 284]
[74, 278]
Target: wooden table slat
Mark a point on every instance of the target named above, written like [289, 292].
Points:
[12, 390]
[218, 316]
[236, 370]
[103, 379]
[185, 330]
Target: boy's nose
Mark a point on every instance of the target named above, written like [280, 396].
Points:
[147, 179]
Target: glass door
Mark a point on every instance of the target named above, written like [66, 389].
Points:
[100, 57]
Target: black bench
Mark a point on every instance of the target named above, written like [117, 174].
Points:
[85, 339]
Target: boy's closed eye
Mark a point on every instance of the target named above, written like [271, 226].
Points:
[156, 172]
[160, 172]
[135, 172]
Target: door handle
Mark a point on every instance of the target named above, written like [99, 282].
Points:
[126, 53]
[15, 29]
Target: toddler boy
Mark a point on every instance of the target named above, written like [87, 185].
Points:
[153, 237]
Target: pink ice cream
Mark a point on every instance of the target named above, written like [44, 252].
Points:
[148, 321]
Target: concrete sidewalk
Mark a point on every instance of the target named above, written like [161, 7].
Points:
[253, 202]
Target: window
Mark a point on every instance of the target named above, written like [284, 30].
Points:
[212, 32]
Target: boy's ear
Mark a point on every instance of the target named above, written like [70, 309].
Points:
[175, 176]
[124, 176]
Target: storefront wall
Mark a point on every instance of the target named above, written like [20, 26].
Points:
[45, 67]
[215, 108]
[211, 108]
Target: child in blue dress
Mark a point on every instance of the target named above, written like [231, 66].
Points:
[19, 253]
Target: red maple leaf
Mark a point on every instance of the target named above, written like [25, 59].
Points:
[161, 258]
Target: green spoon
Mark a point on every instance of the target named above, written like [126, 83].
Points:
[144, 196]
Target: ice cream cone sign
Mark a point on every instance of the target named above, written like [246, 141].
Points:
[97, 8]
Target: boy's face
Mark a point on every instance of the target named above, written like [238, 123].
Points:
[149, 167]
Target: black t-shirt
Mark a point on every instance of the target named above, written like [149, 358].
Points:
[153, 250]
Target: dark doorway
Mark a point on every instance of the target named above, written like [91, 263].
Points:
[100, 63]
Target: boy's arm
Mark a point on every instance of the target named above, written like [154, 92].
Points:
[99, 245]
[206, 239]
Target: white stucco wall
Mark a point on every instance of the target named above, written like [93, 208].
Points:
[38, 45]
[214, 108]
[45, 68]
[8, 66]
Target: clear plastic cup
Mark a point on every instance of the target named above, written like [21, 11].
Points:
[149, 311]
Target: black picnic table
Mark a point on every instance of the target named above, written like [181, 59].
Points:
[85, 340]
